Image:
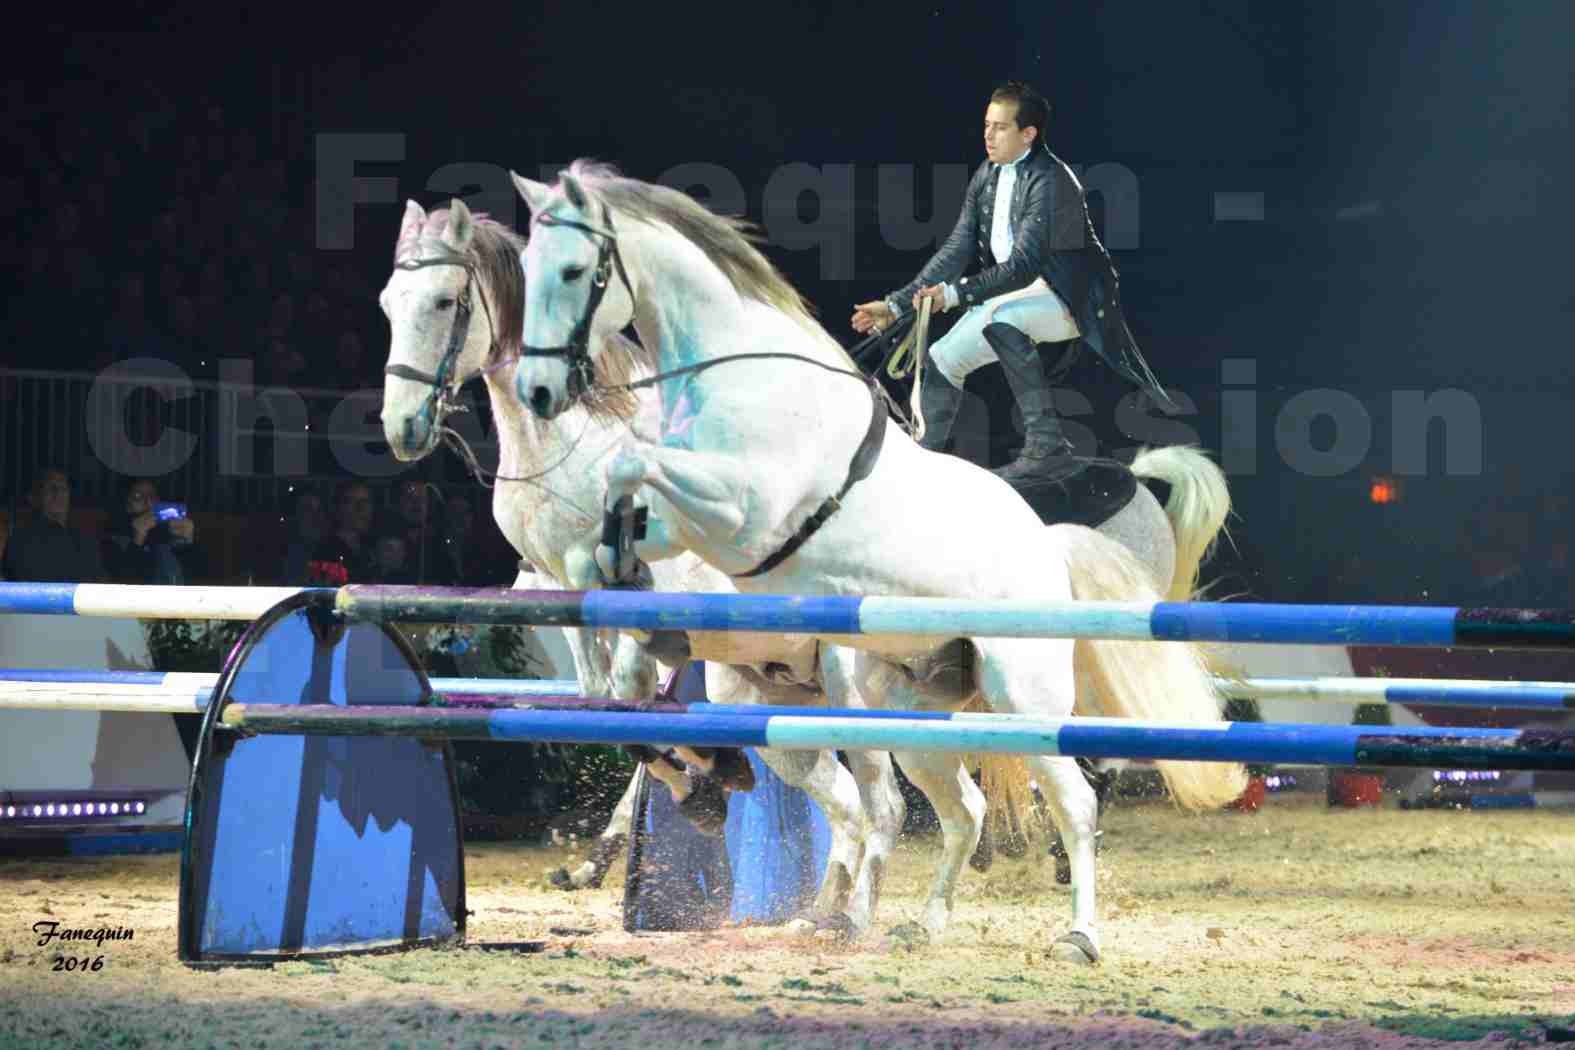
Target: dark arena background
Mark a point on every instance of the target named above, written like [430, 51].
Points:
[1341, 237]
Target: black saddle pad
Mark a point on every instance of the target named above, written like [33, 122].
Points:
[1073, 490]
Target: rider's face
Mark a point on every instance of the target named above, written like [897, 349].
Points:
[1004, 141]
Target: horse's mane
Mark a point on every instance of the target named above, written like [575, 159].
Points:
[727, 241]
[495, 250]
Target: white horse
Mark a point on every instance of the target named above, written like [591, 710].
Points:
[454, 307]
[764, 466]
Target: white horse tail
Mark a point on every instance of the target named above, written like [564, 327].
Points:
[1151, 681]
[1197, 508]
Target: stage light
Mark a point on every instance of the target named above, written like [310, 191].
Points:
[1384, 490]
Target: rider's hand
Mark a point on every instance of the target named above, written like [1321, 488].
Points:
[872, 317]
[936, 293]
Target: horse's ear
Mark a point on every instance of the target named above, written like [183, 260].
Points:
[461, 227]
[574, 191]
[415, 219]
[535, 194]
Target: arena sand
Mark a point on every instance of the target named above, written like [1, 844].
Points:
[1296, 926]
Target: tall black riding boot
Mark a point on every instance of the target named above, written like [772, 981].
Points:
[1043, 440]
[939, 402]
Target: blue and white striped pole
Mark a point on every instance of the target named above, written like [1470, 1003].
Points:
[182, 692]
[1454, 748]
[185, 692]
[1433, 626]
[143, 601]
[943, 617]
[1432, 692]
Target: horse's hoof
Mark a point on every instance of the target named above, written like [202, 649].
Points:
[559, 877]
[607, 564]
[1074, 947]
[984, 853]
[1063, 871]
[706, 806]
[823, 925]
[836, 926]
[603, 854]
[669, 647]
[732, 770]
[909, 935]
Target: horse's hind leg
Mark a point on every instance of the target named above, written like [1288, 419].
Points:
[959, 806]
[833, 789]
[609, 844]
[818, 773]
[958, 803]
[884, 812]
[1034, 677]
[884, 809]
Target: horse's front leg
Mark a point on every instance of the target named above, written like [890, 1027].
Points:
[590, 649]
[704, 492]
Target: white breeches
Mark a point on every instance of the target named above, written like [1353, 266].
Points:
[1036, 311]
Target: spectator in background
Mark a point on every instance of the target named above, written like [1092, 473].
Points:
[309, 526]
[423, 543]
[393, 563]
[349, 545]
[47, 549]
[278, 364]
[139, 547]
[1496, 542]
[350, 363]
[463, 560]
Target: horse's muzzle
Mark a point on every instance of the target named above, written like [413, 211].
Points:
[538, 397]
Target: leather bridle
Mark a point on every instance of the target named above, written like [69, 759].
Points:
[576, 349]
[445, 387]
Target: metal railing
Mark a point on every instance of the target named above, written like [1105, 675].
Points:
[213, 444]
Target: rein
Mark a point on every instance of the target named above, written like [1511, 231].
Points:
[623, 525]
[445, 389]
[443, 400]
[576, 349]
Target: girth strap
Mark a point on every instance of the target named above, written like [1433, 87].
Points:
[859, 468]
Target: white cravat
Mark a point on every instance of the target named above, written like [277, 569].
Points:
[1000, 231]
[1000, 222]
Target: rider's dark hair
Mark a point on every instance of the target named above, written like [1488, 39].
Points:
[1033, 109]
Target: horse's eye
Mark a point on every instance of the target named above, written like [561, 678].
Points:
[445, 304]
[573, 273]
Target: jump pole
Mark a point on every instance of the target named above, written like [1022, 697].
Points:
[1429, 626]
[157, 692]
[1420, 746]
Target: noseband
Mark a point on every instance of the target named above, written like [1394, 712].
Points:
[445, 388]
[576, 351]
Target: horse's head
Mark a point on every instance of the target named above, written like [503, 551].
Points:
[444, 271]
[577, 294]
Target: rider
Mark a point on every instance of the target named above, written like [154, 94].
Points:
[1043, 277]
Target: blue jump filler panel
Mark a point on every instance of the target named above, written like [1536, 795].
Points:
[301, 846]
